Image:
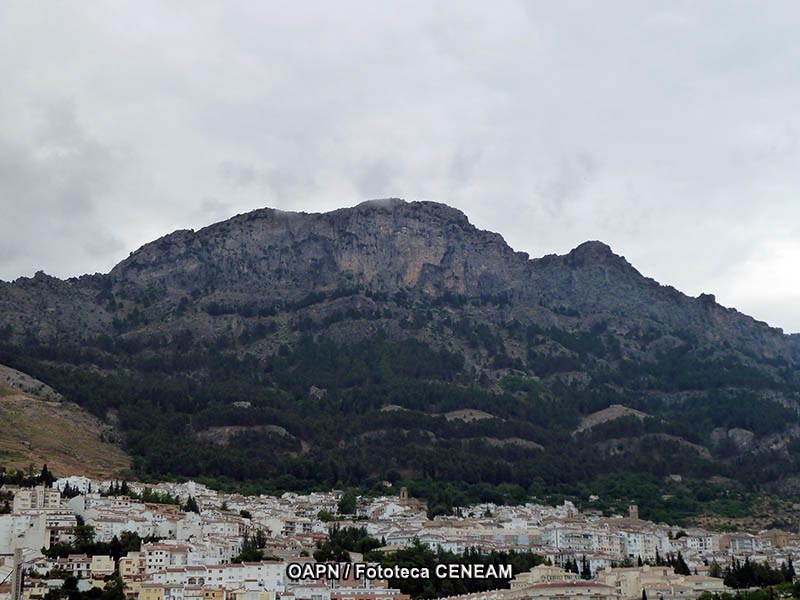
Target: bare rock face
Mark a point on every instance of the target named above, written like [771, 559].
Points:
[386, 245]
[46, 307]
[25, 383]
[740, 438]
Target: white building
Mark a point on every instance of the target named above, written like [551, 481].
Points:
[38, 497]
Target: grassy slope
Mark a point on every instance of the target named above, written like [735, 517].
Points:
[59, 434]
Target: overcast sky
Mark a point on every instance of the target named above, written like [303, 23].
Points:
[669, 130]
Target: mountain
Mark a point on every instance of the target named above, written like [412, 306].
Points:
[396, 341]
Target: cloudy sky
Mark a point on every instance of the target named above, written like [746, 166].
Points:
[670, 130]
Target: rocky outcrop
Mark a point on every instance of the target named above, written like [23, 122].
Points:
[25, 383]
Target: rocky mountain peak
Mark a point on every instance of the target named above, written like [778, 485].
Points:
[592, 248]
[595, 252]
[423, 211]
[382, 203]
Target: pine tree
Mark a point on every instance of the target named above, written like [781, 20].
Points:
[571, 566]
[680, 567]
[732, 575]
[747, 573]
[586, 571]
[260, 539]
[115, 548]
[347, 504]
[191, 505]
[714, 570]
[46, 477]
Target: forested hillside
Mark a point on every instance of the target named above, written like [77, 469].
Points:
[395, 341]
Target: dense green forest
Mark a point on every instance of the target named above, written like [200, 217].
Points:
[380, 415]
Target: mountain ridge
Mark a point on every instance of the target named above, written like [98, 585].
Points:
[589, 253]
[404, 304]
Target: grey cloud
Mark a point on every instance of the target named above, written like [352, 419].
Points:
[277, 186]
[374, 178]
[668, 131]
[238, 174]
[573, 174]
[52, 183]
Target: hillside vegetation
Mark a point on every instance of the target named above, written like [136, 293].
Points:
[395, 341]
[61, 435]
